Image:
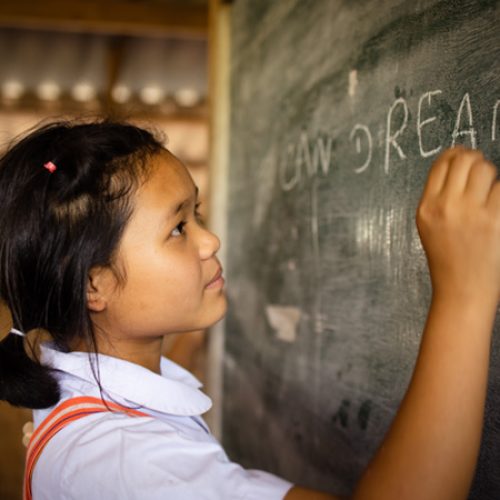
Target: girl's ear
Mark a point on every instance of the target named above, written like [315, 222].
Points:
[99, 287]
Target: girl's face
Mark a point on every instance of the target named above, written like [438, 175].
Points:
[173, 279]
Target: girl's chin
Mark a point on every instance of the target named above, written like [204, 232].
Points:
[222, 312]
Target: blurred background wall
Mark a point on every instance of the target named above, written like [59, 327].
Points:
[140, 60]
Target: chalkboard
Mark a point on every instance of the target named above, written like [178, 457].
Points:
[337, 110]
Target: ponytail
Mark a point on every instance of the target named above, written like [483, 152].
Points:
[23, 380]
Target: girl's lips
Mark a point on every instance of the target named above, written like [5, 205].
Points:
[217, 281]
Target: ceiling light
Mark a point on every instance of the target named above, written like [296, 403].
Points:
[187, 97]
[83, 92]
[152, 94]
[121, 93]
[12, 89]
[48, 90]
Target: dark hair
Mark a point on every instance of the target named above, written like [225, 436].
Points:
[54, 228]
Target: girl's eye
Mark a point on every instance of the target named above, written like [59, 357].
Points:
[179, 229]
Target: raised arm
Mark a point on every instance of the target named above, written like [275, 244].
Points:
[431, 449]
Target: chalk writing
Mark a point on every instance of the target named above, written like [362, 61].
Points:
[421, 124]
[309, 157]
[300, 157]
[390, 138]
[357, 131]
[287, 184]
[470, 131]
[494, 120]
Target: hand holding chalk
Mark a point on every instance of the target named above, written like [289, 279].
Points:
[431, 448]
[459, 224]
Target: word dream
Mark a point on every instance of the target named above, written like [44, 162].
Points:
[306, 158]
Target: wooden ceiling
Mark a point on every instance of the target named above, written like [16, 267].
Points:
[120, 17]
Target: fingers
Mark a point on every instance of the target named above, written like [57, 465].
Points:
[493, 201]
[482, 176]
[459, 171]
[459, 168]
[439, 172]
[459, 224]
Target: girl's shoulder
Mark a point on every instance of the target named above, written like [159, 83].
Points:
[105, 449]
[113, 456]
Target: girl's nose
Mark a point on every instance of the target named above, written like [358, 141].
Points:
[209, 244]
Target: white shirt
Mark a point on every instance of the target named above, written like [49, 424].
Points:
[111, 456]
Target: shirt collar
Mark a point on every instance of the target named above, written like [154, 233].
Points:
[175, 391]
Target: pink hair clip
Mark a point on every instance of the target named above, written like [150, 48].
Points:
[50, 167]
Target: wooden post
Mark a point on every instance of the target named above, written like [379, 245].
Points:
[219, 43]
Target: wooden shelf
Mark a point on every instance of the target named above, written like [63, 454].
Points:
[126, 17]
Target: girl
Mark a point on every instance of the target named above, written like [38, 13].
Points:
[103, 249]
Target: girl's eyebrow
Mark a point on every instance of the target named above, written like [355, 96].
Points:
[183, 203]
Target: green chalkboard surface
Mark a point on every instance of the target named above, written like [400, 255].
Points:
[337, 110]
